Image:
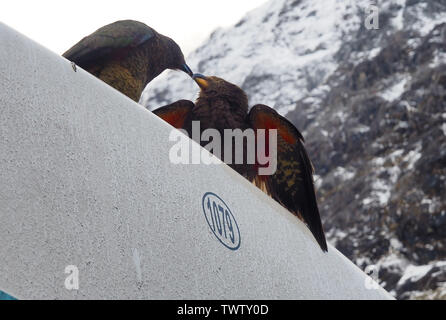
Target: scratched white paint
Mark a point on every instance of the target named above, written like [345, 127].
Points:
[137, 262]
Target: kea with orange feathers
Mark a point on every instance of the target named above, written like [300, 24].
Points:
[223, 105]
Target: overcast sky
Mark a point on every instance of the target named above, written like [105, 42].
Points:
[59, 24]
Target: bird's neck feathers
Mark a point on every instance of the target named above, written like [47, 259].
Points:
[156, 58]
[230, 102]
[173, 57]
[220, 112]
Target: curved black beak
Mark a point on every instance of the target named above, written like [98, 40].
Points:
[186, 69]
[201, 80]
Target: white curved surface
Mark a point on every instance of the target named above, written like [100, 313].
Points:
[85, 180]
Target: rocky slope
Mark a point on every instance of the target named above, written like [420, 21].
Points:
[372, 107]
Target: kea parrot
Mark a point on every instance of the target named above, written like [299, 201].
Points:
[223, 105]
[127, 55]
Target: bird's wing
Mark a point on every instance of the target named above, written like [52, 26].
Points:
[177, 114]
[111, 38]
[292, 183]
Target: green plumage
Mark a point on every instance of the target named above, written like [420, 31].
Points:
[127, 55]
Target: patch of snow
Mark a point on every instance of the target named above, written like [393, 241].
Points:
[409, 108]
[393, 260]
[395, 91]
[362, 261]
[378, 161]
[402, 125]
[317, 181]
[414, 273]
[381, 191]
[394, 173]
[443, 128]
[344, 174]
[361, 129]
[365, 55]
[433, 204]
[412, 157]
[373, 53]
[396, 244]
[367, 201]
[341, 115]
[424, 24]
[414, 42]
[340, 234]
[398, 21]
[438, 59]
[320, 90]
[396, 154]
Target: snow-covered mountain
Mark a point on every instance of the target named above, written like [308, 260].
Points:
[278, 53]
[371, 104]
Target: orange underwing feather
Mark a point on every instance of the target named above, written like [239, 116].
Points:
[264, 117]
[264, 121]
[175, 118]
[176, 113]
[292, 184]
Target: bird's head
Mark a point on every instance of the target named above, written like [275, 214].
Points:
[212, 88]
[175, 57]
